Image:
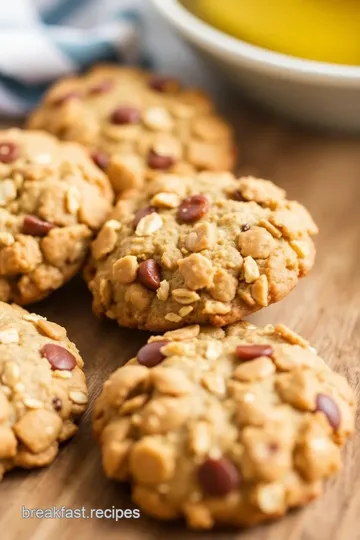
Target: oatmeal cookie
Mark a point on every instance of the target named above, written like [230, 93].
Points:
[42, 388]
[203, 249]
[136, 124]
[52, 200]
[223, 426]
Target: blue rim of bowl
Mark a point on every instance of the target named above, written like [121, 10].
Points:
[256, 57]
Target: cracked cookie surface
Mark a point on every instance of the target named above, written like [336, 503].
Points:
[223, 426]
[205, 249]
[42, 388]
[137, 124]
[52, 200]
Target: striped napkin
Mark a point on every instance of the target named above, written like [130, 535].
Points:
[41, 40]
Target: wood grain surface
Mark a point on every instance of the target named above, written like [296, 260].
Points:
[323, 173]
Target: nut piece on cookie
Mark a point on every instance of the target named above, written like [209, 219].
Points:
[202, 249]
[223, 426]
[42, 392]
[52, 201]
[137, 125]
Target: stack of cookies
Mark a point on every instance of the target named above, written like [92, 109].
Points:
[216, 420]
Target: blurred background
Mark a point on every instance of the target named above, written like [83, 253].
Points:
[41, 40]
[300, 59]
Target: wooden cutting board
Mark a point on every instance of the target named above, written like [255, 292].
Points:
[323, 173]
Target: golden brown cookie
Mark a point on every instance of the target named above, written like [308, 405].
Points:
[223, 426]
[137, 124]
[204, 249]
[42, 388]
[52, 200]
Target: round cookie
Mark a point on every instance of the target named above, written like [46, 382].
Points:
[205, 249]
[42, 388]
[52, 200]
[137, 124]
[223, 426]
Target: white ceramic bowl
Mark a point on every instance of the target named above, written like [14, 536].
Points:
[326, 95]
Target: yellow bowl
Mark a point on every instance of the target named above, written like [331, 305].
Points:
[314, 92]
[323, 30]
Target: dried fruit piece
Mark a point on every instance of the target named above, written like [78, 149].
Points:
[237, 196]
[149, 273]
[125, 115]
[249, 352]
[327, 406]
[163, 163]
[101, 159]
[142, 213]
[193, 208]
[166, 85]
[9, 152]
[218, 477]
[150, 354]
[36, 227]
[58, 357]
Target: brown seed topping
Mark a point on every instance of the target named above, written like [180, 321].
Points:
[101, 87]
[193, 208]
[58, 357]
[245, 227]
[142, 213]
[149, 273]
[57, 403]
[150, 355]
[66, 97]
[166, 85]
[237, 196]
[218, 477]
[161, 163]
[273, 447]
[327, 405]
[249, 352]
[125, 115]
[100, 159]
[9, 152]
[34, 226]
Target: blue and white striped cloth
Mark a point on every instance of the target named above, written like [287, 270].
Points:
[41, 40]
